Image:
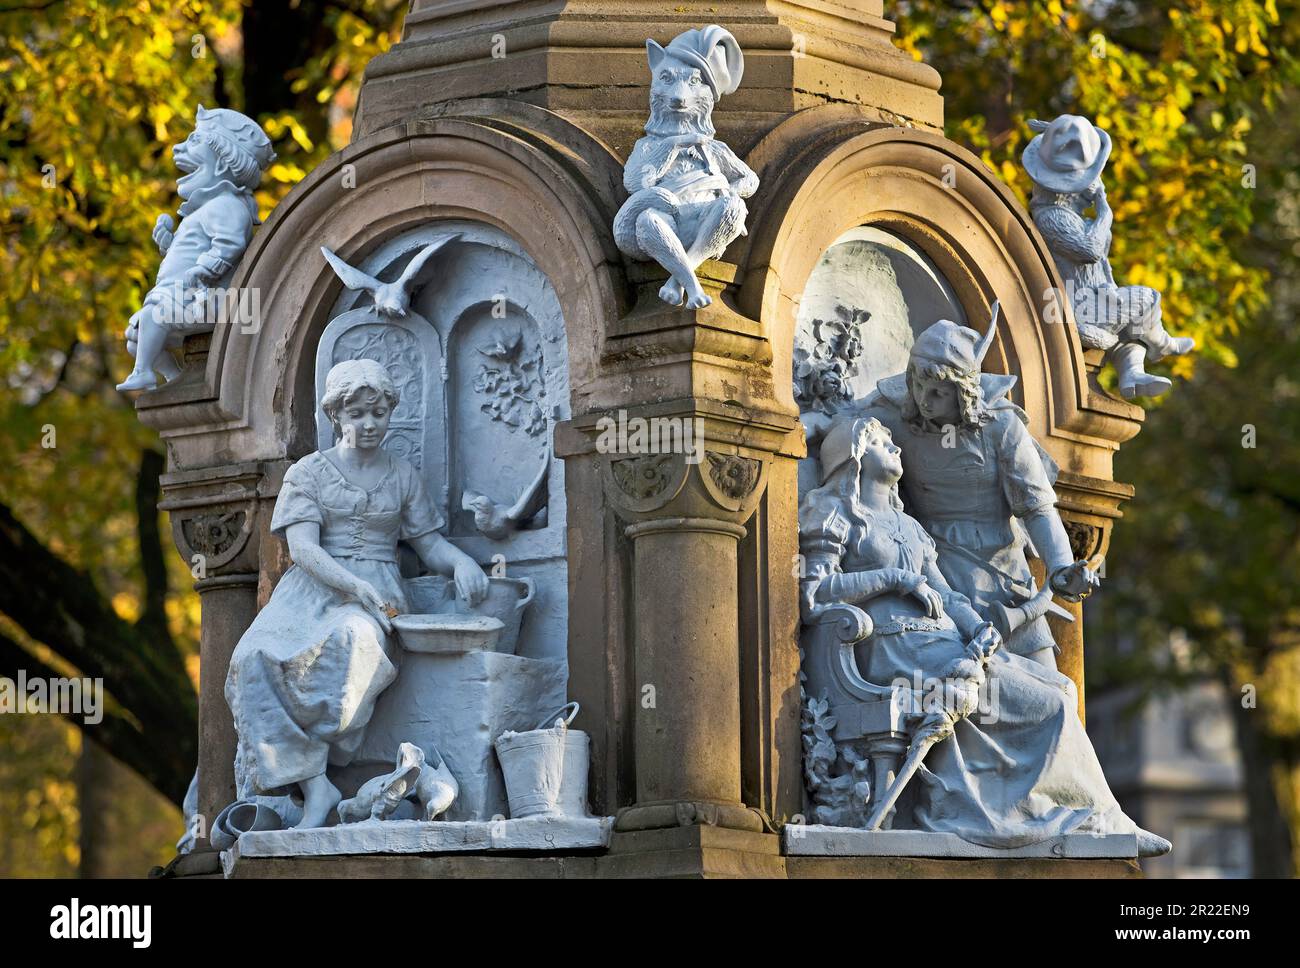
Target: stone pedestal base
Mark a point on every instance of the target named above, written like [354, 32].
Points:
[419, 837]
[682, 852]
[819, 841]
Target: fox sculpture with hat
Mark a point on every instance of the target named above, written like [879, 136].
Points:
[685, 187]
[1065, 160]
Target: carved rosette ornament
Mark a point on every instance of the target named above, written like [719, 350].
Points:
[731, 478]
[646, 482]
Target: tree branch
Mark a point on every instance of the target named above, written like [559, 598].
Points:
[59, 606]
[115, 733]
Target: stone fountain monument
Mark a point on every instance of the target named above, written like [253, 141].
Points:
[732, 284]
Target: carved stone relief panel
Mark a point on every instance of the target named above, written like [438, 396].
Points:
[497, 400]
[481, 363]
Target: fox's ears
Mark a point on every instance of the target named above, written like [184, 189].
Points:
[655, 54]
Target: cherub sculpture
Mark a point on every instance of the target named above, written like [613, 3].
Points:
[222, 162]
[1065, 161]
[685, 186]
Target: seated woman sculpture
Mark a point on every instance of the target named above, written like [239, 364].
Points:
[305, 676]
[1020, 772]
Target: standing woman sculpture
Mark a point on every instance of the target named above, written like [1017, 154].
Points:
[305, 676]
[1020, 775]
[980, 484]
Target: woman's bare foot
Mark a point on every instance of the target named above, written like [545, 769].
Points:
[320, 797]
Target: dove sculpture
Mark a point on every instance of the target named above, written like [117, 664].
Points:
[391, 298]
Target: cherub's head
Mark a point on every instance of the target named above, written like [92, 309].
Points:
[688, 76]
[224, 146]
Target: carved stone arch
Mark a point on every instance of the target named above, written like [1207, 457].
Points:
[833, 170]
[545, 184]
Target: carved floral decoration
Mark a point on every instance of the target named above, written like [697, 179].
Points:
[839, 794]
[826, 357]
[511, 380]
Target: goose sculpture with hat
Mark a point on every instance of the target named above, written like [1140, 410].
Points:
[1065, 159]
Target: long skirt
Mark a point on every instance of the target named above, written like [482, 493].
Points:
[305, 676]
[1017, 771]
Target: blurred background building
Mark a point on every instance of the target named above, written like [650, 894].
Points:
[1173, 762]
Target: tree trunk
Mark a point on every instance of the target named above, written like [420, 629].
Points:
[141, 668]
[94, 800]
[1270, 834]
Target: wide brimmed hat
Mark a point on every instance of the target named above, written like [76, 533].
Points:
[1068, 155]
[711, 50]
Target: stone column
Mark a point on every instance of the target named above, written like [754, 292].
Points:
[229, 604]
[687, 732]
[1089, 508]
[683, 521]
[216, 526]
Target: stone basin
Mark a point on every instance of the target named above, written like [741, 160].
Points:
[506, 602]
[448, 632]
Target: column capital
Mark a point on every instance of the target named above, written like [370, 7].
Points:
[214, 516]
[673, 491]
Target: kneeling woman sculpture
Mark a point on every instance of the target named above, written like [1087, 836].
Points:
[305, 676]
[1020, 772]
